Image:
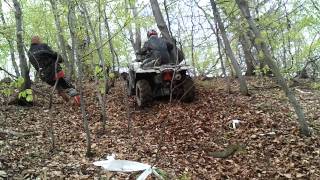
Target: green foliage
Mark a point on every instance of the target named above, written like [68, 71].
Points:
[17, 83]
[8, 89]
[203, 61]
[98, 70]
[315, 85]
[186, 176]
[26, 94]
[260, 71]
[112, 75]
[102, 88]
[162, 173]
[261, 55]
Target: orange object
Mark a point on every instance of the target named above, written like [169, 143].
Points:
[59, 75]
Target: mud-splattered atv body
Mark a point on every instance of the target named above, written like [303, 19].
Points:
[149, 83]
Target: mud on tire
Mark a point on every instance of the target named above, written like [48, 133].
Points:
[143, 93]
[188, 90]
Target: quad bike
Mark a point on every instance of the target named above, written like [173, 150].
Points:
[147, 83]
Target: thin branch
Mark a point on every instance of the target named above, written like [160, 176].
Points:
[14, 76]
[113, 36]
[14, 133]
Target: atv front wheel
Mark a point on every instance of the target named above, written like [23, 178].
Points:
[188, 90]
[143, 93]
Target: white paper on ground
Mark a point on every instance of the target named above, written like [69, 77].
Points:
[111, 164]
[235, 123]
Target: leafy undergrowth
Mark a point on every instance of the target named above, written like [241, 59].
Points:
[187, 134]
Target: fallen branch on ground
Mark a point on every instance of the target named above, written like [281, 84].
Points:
[228, 151]
[14, 133]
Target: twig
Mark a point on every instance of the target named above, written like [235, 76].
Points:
[51, 131]
[14, 133]
[126, 89]
[113, 36]
[14, 76]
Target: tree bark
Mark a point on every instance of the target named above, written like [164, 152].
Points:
[20, 46]
[137, 42]
[62, 45]
[111, 47]
[243, 6]
[160, 20]
[163, 28]
[216, 33]
[192, 47]
[229, 52]
[10, 43]
[102, 62]
[72, 27]
[247, 54]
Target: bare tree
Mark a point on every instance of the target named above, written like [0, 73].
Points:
[163, 27]
[62, 45]
[20, 46]
[134, 38]
[111, 47]
[215, 30]
[229, 52]
[245, 43]
[10, 43]
[102, 62]
[192, 42]
[243, 6]
[72, 27]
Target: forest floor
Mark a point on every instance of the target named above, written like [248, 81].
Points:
[189, 135]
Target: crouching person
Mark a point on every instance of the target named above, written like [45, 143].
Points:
[43, 59]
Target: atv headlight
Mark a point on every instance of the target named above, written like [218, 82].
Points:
[177, 76]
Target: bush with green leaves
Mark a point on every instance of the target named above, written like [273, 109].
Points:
[7, 89]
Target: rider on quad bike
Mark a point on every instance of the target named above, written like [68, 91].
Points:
[158, 74]
[155, 50]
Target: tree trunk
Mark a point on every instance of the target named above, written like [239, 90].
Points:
[192, 47]
[247, 54]
[160, 20]
[20, 46]
[137, 42]
[102, 62]
[259, 54]
[243, 6]
[216, 33]
[14, 63]
[163, 27]
[111, 47]
[131, 36]
[72, 27]
[220, 55]
[62, 45]
[242, 82]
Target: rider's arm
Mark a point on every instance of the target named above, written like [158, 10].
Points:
[144, 49]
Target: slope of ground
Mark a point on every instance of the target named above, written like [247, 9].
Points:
[178, 138]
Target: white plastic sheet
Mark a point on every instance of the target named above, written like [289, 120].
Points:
[111, 164]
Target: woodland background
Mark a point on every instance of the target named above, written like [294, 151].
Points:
[256, 61]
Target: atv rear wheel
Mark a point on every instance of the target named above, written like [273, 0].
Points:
[143, 93]
[188, 90]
